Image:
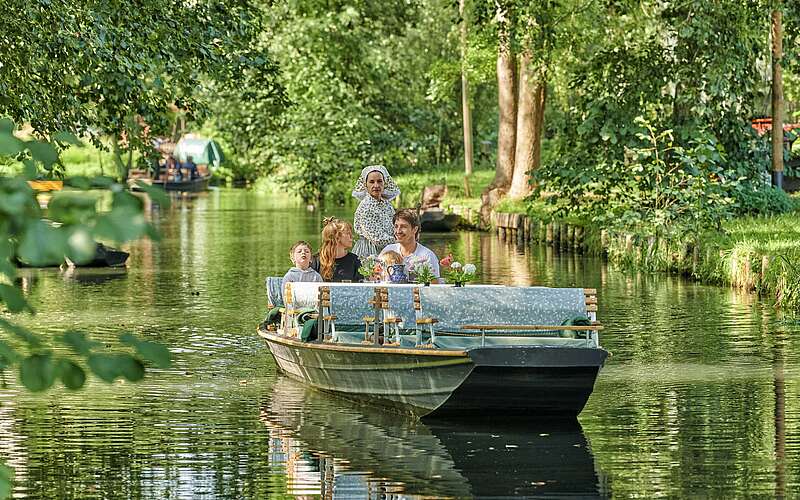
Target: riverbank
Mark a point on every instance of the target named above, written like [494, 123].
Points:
[759, 254]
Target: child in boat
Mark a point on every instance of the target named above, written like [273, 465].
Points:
[394, 271]
[300, 254]
[373, 219]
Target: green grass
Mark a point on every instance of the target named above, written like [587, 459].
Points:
[411, 184]
[88, 160]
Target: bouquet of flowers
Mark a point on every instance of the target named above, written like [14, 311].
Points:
[419, 269]
[370, 268]
[457, 273]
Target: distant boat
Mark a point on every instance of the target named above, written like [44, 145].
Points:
[43, 186]
[193, 185]
[431, 216]
[206, 154]
[437, 220]
[104, 257]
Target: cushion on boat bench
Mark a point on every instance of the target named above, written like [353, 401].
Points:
[274, 287]
[453, 307]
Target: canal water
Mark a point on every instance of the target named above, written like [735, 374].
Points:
[700, 397]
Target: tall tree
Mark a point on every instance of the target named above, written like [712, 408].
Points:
[116, 66]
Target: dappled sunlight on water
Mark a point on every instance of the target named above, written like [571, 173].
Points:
[699, 399]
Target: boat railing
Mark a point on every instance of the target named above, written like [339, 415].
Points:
[509, 330]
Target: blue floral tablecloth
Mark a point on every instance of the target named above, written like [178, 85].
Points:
[452, 306]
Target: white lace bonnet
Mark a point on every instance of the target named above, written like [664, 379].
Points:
[390, 189]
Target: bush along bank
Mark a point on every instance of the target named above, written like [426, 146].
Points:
[760, 254]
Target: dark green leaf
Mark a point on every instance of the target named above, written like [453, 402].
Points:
[130, 368]
[42, 245]
[6, 126]
[102, 181]
[8, 352]
[79, 182]
[43, 152]
[13, 298]
[72, 376]
[153, 352]
[10, 145]
[30, 171]
[120, 225]
[21, 333]
[37, 372]
[68, 138]
[156, 193]
[104, 366]
[78, 342]
[6, 480]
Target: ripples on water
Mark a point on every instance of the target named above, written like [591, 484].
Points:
[698, 399]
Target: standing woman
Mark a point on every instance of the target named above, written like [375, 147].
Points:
[373, 220]
[335, 261]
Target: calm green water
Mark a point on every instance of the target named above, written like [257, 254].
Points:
[700, 397]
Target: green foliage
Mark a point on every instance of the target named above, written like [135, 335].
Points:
[652, 128]
[366, 82]
[118, 67]
[75, 223]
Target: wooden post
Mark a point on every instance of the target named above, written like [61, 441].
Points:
[578, 243]
[465, 102]
[548, 238]
[777, 100]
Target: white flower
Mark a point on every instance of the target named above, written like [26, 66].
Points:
[455, 265]
[469, 268]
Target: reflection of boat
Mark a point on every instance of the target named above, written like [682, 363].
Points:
[388, 452]
[94, 276]
[493, 350]
[436, 220]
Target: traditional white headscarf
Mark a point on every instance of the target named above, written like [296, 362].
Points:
[390, 189]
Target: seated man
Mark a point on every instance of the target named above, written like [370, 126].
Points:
[191, 167]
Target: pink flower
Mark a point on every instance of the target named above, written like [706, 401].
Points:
[445, 262]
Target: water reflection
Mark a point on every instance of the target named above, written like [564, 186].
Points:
[700, 398]
[333, 448]
[93, 276]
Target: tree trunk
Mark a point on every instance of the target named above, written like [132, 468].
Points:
[465, 107]
[777, 100]
[507, 123]
[530, 120]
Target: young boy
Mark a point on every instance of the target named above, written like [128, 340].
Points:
[393, 268]
[300, 253]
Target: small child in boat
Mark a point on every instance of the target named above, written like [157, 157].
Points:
[394, 271]
[300, 253]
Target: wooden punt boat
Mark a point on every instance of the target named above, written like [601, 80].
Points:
[454, 365]
[187, 185]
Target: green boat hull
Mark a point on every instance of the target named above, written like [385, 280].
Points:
[534, 381]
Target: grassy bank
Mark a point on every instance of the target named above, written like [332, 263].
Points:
[759, 254]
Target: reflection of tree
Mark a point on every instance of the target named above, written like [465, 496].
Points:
[780, 416]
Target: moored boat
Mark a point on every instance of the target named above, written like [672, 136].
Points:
[441, 350]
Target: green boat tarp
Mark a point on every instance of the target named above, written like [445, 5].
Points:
[202, 151]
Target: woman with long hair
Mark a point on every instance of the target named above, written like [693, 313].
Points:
[335, 261]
